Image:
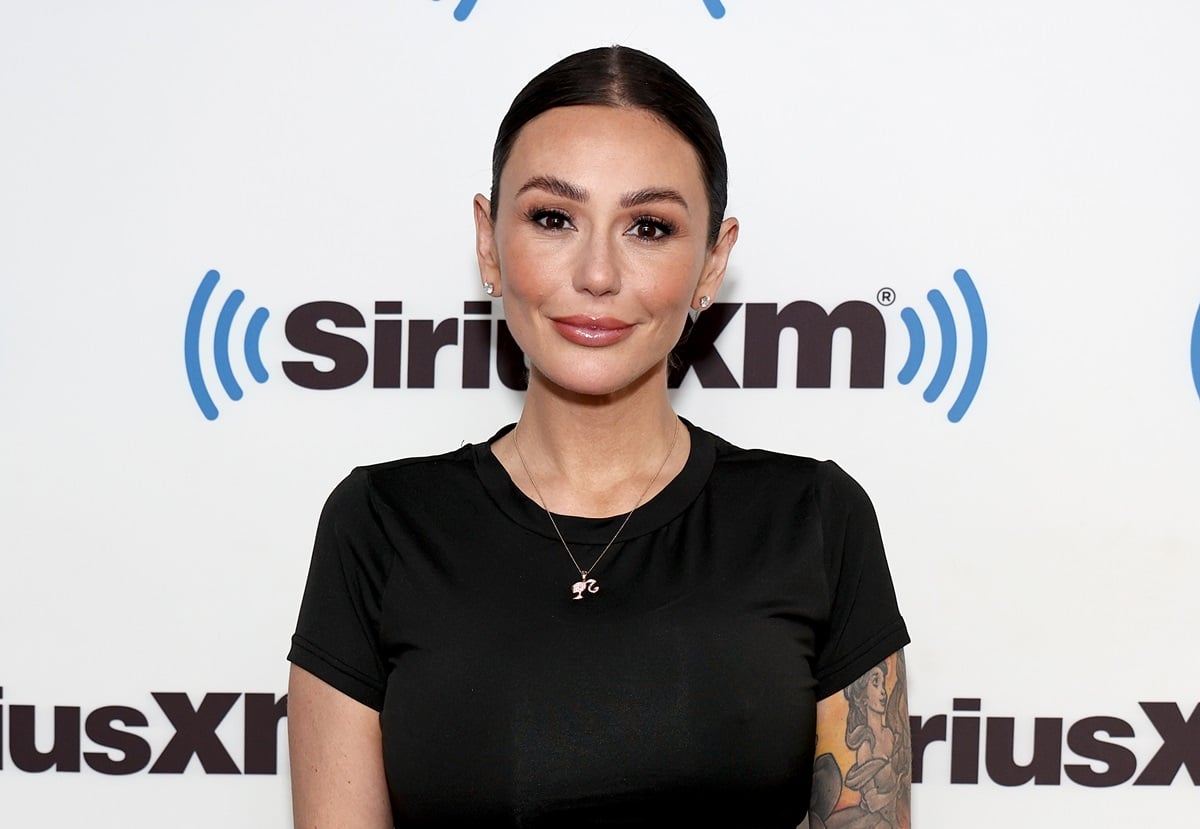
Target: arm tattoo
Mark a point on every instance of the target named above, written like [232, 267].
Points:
[870, 788]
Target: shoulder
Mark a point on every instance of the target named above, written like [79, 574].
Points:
[828, 482]
[368, 488]
[420, 470]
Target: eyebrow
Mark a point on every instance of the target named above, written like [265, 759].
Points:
[567, 190]
[555, 186]
[653, 194]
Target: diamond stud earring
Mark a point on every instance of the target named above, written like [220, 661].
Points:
[489, 288]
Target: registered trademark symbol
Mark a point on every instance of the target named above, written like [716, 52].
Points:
[886, 296]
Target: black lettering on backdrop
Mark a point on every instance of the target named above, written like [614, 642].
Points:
[477, 346]
[135, 750]
[121, 751]
[510, 359]
[1180, 748]
[931, 730]
[424, 342]
[814, 327]
[263, 714]
[389, 337]
[22, 746]
[195, 733]
[1180, 744]
[426, 339]
[349, 357]
[964, 743]
[697, 349]
[1044, 767]
[1121, 762]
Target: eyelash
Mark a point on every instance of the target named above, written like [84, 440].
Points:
[539, 215]
[665, 228]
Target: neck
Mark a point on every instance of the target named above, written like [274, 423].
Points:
[594, 455]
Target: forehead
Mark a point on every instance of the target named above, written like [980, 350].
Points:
[604, 147]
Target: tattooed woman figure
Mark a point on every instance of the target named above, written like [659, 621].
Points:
[881, 771]
[604, 614]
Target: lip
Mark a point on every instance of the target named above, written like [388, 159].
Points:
[593, 332]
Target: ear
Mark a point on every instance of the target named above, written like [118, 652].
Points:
[715, 262]
[485, 244]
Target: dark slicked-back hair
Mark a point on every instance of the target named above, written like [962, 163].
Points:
[618, 76]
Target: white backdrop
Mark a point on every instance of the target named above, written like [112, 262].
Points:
[1044, 546]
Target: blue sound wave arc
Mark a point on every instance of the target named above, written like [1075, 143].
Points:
[463, 10]
[948, 352]
[949, 346]
[221, 345]
[979, 344]
[253, 356]
[1196, 351]
[191, 345]
[916, 346]
[222, 340]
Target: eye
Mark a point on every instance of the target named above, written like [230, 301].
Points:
[650, 229]
[554, 220]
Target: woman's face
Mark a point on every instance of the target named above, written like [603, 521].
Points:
[599, 245]
[876, 691]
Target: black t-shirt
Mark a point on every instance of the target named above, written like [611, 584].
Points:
[684, 690]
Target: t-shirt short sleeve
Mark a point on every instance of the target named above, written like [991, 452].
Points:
[337, 634]
[864, 625]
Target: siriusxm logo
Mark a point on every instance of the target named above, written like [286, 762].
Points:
[463, 9]
[403, 352]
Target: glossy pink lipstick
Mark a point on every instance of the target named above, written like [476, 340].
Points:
[593, 332]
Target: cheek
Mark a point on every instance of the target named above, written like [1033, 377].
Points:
[525, 269]
[671, 282]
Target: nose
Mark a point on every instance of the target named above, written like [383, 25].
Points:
[598, 269]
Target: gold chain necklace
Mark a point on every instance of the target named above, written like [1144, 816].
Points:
[586, 584]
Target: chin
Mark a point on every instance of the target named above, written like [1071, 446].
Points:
[602, 381]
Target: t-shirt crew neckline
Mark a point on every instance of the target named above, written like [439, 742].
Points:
[672, 500]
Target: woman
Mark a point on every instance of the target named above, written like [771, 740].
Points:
[882, 760]
[604, 615]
